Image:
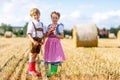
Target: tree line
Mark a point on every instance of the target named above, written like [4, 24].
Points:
[19, 33]
[22, 32]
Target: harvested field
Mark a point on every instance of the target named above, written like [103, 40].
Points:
[83, 63]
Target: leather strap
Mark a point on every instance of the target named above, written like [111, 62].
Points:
[37, 29]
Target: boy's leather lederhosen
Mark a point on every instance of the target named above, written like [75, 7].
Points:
[36, 49]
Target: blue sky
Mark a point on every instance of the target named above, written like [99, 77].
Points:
[104, 13]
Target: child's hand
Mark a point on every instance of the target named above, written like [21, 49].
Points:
[49, 30]
[35, 43]
[41, 43]
[54, 32]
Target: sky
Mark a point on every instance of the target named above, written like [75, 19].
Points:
[104, 13]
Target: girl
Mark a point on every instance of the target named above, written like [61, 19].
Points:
[53, 50]
[35, 32]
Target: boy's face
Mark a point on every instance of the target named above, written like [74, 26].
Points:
[36, 16]
[54, 18]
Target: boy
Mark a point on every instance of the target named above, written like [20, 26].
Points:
[35, 32]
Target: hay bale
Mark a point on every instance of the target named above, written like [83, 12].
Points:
[8, 34]
[112, 36]
[13, 35]
[118, 35]
[70, 37]
[85, 35]
[67, 36]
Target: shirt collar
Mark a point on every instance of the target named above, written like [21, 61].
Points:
[35, 21]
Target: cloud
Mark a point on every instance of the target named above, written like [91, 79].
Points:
[75, 14]
[16, 12]
[102, 19]
[109, 19]
[87, 6]
[70, 18]
[97, 17]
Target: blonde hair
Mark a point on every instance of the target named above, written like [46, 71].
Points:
[34, 11]
[57, 13]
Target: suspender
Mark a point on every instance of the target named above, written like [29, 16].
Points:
[37, 29]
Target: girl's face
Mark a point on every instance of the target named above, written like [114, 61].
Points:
[36, 16]
[54, 18]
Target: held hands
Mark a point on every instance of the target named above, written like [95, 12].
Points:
[52, 29]
[54, 32]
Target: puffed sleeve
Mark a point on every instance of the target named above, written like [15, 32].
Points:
[30, 28]
[61, 28]
[44, 29]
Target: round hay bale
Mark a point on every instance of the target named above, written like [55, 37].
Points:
[85, 35]
[67, 36]
[8, 34]
[112, 36]
[118, 35]
[13, 35]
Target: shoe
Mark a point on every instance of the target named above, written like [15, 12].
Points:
[53, 70]
[32, 69]
[36, 73]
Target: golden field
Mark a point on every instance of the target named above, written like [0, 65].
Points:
[97, 63]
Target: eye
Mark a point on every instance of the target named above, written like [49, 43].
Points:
[54, 17]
